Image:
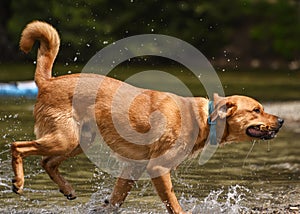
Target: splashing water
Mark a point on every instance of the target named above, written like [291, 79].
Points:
[221, 202]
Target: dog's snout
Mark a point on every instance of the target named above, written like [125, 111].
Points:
[280, 121]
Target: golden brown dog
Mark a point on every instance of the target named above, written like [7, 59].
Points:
[59, 124]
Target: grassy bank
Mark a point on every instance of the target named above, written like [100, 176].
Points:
[263, 85]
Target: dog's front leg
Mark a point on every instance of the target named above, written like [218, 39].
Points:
[164, 188]
[131, 173]
[120, 192]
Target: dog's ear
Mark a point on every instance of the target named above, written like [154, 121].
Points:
[224, 107]
[217, 98]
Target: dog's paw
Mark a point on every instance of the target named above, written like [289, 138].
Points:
[16, 188]
[69, 196]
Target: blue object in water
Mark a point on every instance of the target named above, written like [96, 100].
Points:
[18, 89]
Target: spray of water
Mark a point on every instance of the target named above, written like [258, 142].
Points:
[251, 149]
[269, 146]
[224, 202]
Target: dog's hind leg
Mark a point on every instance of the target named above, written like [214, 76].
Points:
[51, 164]
[45, 146]
[19, 151]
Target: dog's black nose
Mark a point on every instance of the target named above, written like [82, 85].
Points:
[280, 121]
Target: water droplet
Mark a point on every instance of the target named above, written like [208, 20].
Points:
[75, 59]
[105, 42]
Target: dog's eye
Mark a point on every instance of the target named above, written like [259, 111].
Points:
[256, 110]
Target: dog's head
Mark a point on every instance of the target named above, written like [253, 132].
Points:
[245, 119]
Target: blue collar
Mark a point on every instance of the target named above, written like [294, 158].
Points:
[213, 124]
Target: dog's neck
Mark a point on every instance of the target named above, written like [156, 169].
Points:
[212, 124]
[201, 109]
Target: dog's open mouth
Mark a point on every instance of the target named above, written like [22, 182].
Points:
[258, 132]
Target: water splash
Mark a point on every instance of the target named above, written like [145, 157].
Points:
[4, 183]
[98, 199]
[224, 202]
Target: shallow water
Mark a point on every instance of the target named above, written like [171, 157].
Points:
[267, 181]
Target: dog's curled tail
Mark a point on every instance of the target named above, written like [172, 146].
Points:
[49, 46]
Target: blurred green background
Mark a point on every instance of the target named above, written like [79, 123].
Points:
[252, 44]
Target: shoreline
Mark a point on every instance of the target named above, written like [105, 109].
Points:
[289, 111]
